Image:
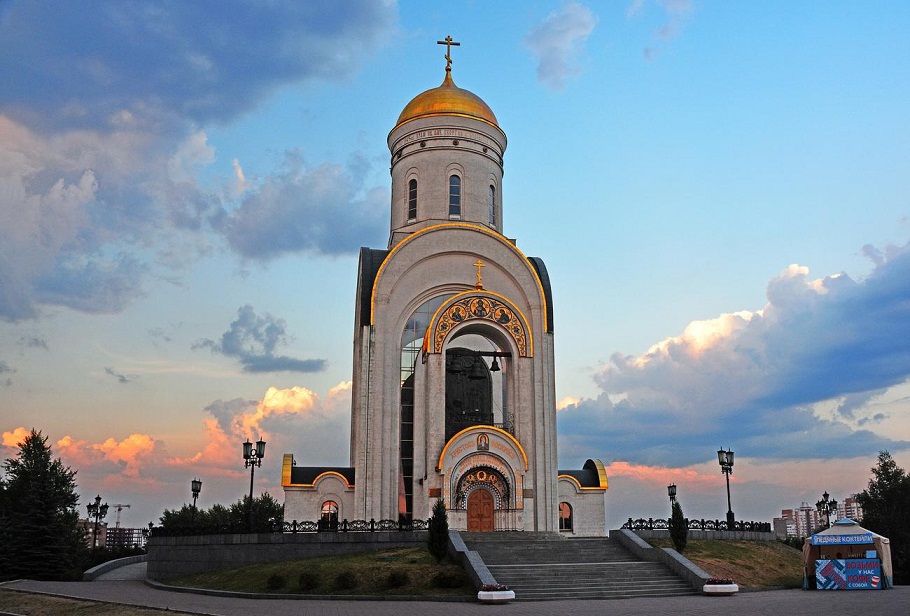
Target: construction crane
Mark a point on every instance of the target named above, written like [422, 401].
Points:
[119, 507]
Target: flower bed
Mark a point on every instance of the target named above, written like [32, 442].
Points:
[720, 587]
[495, 593]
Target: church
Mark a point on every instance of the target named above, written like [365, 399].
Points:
[453, 385]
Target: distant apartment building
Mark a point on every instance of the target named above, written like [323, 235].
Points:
[94, 532]
[804, 520]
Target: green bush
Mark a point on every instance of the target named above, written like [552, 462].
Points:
[397, 579]
[276, 581]
[308, 580]
[346, 580]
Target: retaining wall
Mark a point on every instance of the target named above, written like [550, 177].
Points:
[720, 535]
[174, 557]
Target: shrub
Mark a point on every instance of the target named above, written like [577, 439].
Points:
[275, 581]
[397, 579]
[346, 580]
[308, 580]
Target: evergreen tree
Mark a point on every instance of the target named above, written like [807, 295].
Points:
[679, 530]
[886, 511]
[438, 540]
[40, 536]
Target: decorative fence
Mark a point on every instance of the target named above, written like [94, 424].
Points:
[319, 526]
[718, 525]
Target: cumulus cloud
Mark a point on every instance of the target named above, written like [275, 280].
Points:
[320, 210]
[33, 341]
[294, 419]
[12, 438]
[102, 134]
[791, 380]
[559, 41]
[253, 340]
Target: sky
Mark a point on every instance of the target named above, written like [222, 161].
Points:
[720, 191]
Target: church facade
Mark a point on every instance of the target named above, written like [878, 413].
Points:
[453, 384]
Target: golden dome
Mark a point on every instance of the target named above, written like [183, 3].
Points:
[447, 99]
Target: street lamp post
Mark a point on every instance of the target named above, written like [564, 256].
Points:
[671, 492]
[251, 459]
[98, 511]
[826, 507]
[725, 458]
[196, 487]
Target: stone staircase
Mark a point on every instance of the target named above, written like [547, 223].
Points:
[542, 567]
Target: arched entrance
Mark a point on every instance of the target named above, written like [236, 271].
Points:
[480, 511]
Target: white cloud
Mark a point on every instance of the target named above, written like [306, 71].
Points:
[559, 41]
[796, 378]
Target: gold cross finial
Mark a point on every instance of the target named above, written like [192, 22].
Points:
[478, 265]
[448, 42]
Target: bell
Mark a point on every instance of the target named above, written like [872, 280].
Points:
[494, 367]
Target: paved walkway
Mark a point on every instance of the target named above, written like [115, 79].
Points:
[893, 602]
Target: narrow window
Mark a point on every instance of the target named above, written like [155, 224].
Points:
[412, 200]
[454, 196]
[328, 516]
[565, 516]
[492, 206]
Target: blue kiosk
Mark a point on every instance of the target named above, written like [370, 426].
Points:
[847, 557]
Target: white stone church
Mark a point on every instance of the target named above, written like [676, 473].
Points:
[453, 384]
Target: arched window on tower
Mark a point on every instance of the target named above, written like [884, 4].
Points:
[565, 516]
[492, 198]
[454, 196]
[412, 199]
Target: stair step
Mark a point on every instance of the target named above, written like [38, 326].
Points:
[541, 566]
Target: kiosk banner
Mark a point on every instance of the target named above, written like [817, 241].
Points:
[848, 574]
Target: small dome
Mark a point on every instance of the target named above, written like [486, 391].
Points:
[447, 99]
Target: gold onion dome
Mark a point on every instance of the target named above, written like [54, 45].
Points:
[447, 99]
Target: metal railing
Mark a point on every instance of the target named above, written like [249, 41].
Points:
[719, 525]
[318, 526]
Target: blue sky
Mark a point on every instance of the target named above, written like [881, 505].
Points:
[720, 192]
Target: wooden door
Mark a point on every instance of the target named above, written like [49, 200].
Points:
[480, 511]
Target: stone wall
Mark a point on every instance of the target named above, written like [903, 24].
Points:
[174, 557]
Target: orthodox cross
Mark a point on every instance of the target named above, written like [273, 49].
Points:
[478, 265]
[448, 42]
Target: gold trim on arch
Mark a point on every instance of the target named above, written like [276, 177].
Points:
[580, 487]
[479, 305]
[347, 484]
[457, 225]
[521, 450]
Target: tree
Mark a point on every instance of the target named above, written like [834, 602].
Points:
[886, 511]
[268, 515]
[679, 529]
[438, 539]
[40, 537]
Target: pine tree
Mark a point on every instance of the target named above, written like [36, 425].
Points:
[40, 536]
[679, 530]
[438, 540]
[886, 511]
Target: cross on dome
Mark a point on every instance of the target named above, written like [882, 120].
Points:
[448, 42]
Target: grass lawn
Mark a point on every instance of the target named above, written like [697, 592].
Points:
[401, 571]
[752, 564]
